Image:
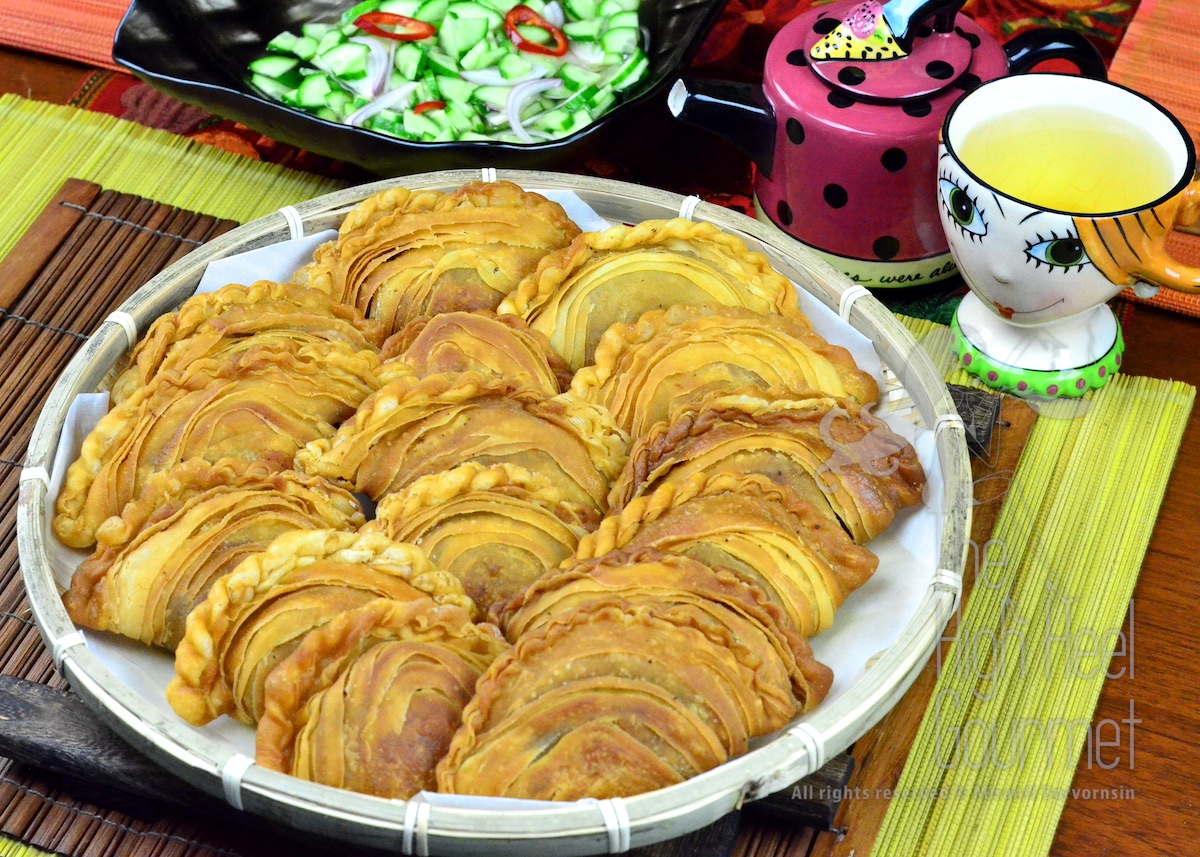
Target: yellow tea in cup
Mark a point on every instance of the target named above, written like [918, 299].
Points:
[1068, 158]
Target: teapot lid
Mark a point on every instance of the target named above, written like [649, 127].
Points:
[861, 54]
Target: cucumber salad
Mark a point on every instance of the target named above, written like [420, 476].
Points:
[457, 70]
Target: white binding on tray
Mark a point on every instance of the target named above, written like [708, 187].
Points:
[812, 741]
[415, 839]
[232, 771]
[616, 822]
[35, 474]
[846, 303]
[128, 324]
[488, 174]
[687, 208]
[60, 647]
[945, 421]
[294, 222]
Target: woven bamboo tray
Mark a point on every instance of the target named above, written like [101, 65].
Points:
[584, 827]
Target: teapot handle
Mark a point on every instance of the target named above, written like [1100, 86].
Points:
[1036, 46]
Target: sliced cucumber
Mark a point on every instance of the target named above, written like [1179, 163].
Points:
[347, 61]
[608, 8]
[409, 59]
[575, 78]
[317, 31]
[456, 90]
[407, 8]
[583, 31]
[419, 125]
[580, 10]
[314, 91]
[622, 19]
[330, 40]
[456, 36]
[351, 14]
[621, 40]
[513, 66]
[438, 63]
[475, 10]
[274, 65]
[431, 11]
[284, 43]
[272, 88]
[305, 48]
[493, 97]
[636, 67]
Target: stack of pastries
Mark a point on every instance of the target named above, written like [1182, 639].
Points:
[483, 504]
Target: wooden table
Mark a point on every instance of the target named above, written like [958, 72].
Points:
[1164, 817]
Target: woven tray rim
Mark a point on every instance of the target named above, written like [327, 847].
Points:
[588, 827]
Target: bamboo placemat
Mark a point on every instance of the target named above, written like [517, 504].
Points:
[1160, 57]
[80, 30]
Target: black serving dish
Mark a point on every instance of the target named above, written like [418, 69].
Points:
[197, 52]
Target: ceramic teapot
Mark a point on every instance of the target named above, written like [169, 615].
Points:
[844, 129]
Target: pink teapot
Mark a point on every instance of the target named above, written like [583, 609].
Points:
[844, 129]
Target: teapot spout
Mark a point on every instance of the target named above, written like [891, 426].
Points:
[739, 113]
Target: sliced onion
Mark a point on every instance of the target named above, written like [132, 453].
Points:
[554, 15]
[518, 97]
[586, 54]
[493, 77]
[379, 66]
[384, 102]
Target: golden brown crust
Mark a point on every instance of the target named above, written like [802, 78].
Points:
[828, 450]
[504, 346]
[442, 636]
[654, 575]
[465, 251]
[256, 615]
[416, 426]
[496, 527]
[686, 353]
[190, 526]
[615, 276]
[753, 526]
[262, 403]
[237, 317]
[614, 699]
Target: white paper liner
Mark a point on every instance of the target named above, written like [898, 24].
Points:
[868, 623]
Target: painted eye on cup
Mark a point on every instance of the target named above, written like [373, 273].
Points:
[962, 208]
[1065, 253]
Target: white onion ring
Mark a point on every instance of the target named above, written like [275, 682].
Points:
[492, 77]
[384, 102]
[554, 14]
[379, 65]
[517, 98]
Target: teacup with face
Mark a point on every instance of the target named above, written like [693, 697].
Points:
[1056, 193]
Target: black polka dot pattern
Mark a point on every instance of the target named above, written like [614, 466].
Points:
[836, 196]
[784, 212]
[894, 160]
[968, 82]
[971, 38]
[795, 131]
[918, 108]
[825, 26]
[840, 99]
[886, 247]
[852, 75]
[798, 58]
[939, 70]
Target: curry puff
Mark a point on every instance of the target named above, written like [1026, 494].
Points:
[401, 255]
[370, 701]
[190, 526]
[688, 351]
[614, 276]
[760, 531]
[829, 451]
[654, 577]
[414, 427]
[496, 528]
[617, 698]
[503, 346]
[234, 318]
[256, 615]
[263, 403]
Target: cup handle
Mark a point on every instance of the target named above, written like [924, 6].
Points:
[1131, 248]
[1036, 46]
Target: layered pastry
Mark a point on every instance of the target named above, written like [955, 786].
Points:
[370, 701]
[402, 255]
[257, 615]
[190, 526]
[605, 278]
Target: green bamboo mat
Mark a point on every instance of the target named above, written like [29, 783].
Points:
[996, 752]
[45, 144]
[13, 848]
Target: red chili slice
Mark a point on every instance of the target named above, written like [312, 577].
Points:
[414, 30]
[519, 15]
[429, 105]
